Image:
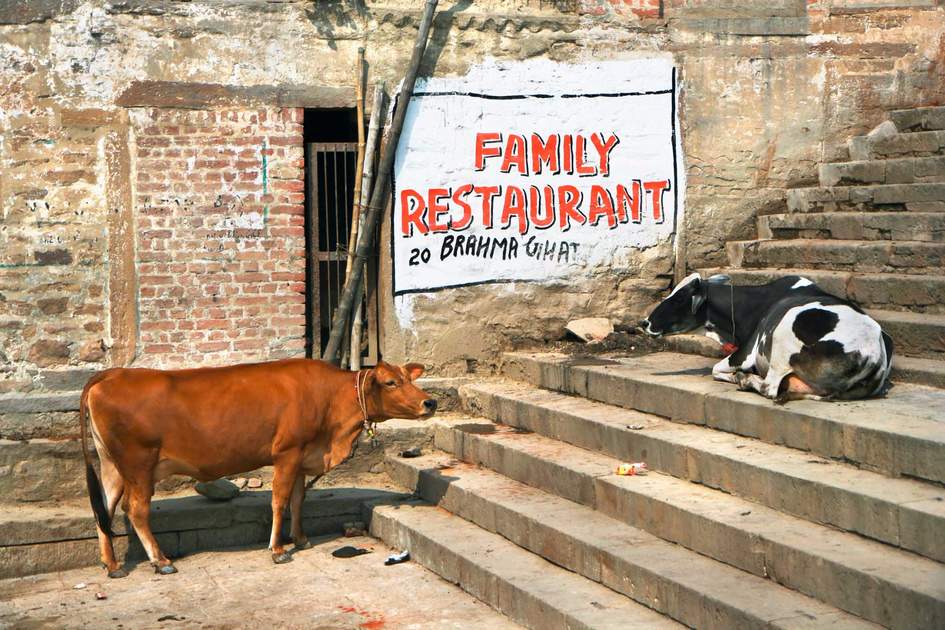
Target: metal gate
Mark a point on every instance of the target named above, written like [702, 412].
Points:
[329, 173]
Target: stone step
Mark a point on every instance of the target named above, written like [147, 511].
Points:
[517, 583]
[914, 257]
[605, 540]
[918, 119]
[886, 291]
[45, 538]
[901, 512]
[893, 171]
[36, 470]
[913, 144]
[834, 567]
[898, 435]
[914, 334]
[919, 197]
[863, 226]
[909, 370]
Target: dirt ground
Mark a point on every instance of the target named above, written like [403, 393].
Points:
[242, 588]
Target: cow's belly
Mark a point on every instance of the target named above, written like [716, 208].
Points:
[206, 471]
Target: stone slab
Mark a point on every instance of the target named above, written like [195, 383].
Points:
[60, 537]
[901, 434]
[863, 256]
[187, 95]
[919, 119]
[862, 226]
[242, 588]
[594, 544]
[527, 588]
[784, 479]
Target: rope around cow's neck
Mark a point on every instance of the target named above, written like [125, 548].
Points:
[362, 402]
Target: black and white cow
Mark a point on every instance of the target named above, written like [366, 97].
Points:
[787, 339]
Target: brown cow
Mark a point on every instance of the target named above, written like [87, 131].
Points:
[300, 416]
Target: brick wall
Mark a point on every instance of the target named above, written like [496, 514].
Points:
[220, 237]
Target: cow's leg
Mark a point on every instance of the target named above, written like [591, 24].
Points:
[284, 475]
[139, 512]
[724, 371]
[751, 382]
[113, 486]
[295, 506]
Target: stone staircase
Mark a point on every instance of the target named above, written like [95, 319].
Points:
[873, 232]
[755, 515]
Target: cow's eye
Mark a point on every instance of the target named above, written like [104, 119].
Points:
[391, 383]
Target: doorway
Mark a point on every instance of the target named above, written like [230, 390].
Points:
[330, 168]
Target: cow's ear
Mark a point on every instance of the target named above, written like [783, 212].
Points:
[720, 278]
[697, 301]
[414, 370]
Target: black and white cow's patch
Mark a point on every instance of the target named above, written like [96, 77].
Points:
[789, 327]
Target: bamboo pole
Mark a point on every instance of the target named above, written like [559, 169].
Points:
[377, 114]
[379, 194]
[359, 165]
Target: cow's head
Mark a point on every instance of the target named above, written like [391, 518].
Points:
[392, 393]
[683, 310]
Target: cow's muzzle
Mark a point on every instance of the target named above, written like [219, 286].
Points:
[648, 328]
[429, 408]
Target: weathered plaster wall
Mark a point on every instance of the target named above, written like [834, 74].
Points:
[767, 91]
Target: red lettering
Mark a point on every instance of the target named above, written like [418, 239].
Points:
[516, 154]
[656, 190]
[535, 204]
[435, 209]
[545, 153]
[601, 205]
[487, 193]
[514, 206]
[411, 217]
[569, 198]
[567, 157]
[483, 152]
[604, 149]
[624, 199]
[579, 155]
[466, 219]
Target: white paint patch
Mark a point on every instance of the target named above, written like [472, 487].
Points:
[801, 282]
[403, 310]
[480, 193]
[248, 221]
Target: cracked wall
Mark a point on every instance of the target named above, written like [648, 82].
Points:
[767, 93]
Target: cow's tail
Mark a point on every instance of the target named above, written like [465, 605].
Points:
[96, 497]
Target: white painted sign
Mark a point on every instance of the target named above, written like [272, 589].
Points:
[534, 171]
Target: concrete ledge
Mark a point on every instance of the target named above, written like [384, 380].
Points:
[789, 26]
[38, 403]
[184, 95]
[39, 540]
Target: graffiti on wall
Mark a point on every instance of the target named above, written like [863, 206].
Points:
[534, 171]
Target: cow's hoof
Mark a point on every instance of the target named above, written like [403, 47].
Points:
[167, 569]
[305, 544]
[117, 573]
[282, 558]
[742, 381]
